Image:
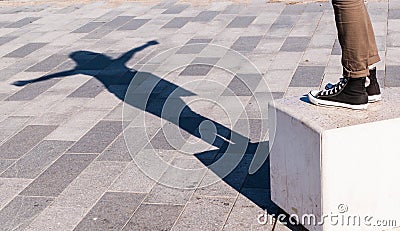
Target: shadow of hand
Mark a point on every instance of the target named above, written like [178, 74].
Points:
[152, 42]
[21, 83]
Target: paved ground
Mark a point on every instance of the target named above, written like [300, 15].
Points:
[76, 154]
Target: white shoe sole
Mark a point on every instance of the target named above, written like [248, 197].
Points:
[316, 101]
[374, 98]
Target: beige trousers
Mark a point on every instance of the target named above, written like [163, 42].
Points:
[356, 37]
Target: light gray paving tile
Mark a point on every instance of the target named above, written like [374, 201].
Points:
[241, 22]
[48, 64]
[59, 175]
[232, 9]
[308, 76]
[89, 27]
[134, 24]
[176, 9]
[195, 216]
[98, 138]
[118, 151]
[392, 76]
[22, 22]
[4, 40]
[90, 89]
[91, 184]
[205, 16]
[32, 90]
[37, 160]
[154, 217]
[177, 22]
[9, 188]
[293, 9]
[25, 50]
[246, 43]
[295, 44]
[24, 140]
[111, 212]
[11, 125]
[21, 211]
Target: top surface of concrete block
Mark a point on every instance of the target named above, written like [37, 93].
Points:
[327, 118]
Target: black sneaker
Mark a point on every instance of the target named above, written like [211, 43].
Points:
[373, 90]
[349, 93]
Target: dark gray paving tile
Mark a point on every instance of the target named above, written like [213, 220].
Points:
[199, 40]
[24, 140]
[134, 24]
[118, 151]
[246, 43]
[232, 9]
[48, 64]
[159, 141]
[295, 44]
[4, 40]
[307, 76]
[191, 49]
[111, 212]
[59, 175]
[25, 50]
[394, 14]
[238, 87]
[32, 90]
[118, 21]
[177, 22]
[4, 164]
[241, 22]
[90, 89]
[99, 33]
[98, 138]
[205, 16]
[164, 5]
[200, 66]
[36, 161]
[22, 22]
[176, 9]
[18, 214]
[294, 9]
[336, 50]
[154, 217]
[392, 76]
[285, 20]
[91, 26]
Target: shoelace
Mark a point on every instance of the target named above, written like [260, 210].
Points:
[333, 89]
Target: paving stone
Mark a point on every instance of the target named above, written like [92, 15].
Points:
[154, 217]
[12, 124]
[205, 16]
[4, 40]
[4, 164]
[134, 24]
[111, 212]
[295, 44]
[98, 138]
[22, 22]
[177, 22]
[212, 218]
[175, 9]
[200, 66]
[117, 22]
[23, 141]
[392, 76]
[90, 89]
[32, 90]
[232, 9]
[336, 50]
[394, 14]
[9, 188]
[37, 160]
[241, 22]
[307, 76]
[246, 43]
[98, 33]
[293, 9]
[48, 64]
[59, 175]
[25, 50]
[21, 211]
[89, 27]
[118, 151]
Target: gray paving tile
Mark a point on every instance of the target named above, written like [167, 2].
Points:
[392, 76]
[308, 76]
[134, 24]
[205, 16]
[32, 90]
[176, 9]
[232, 9]
[118, 151]
[4, 40]
[48, 64]
[336, 50]
[241, 22]
[199, 67]
[199, 40]
[117, 22]
[99, 33]
[89, 27]
[246, 43]
[24, 140]
[21, 211]
[59, 175]
[4, 164]
[166, 195]
[11, 125]
[90, 89]
[25, 50]
[177, 22]
[295, 44]
[37, 160]
[294, 9]
[154, 217]
[237, 87]
[22, 22]
[98, 138]
[194, 46]
[394, 14]
[212, 218]
[9, 188]
[111, 212]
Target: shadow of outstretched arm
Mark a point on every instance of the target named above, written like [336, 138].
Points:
[44, 78]
[124, 58]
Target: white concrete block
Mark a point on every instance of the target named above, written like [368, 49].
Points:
[337, 165]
